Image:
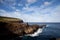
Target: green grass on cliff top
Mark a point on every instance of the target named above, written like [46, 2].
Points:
[8, 19]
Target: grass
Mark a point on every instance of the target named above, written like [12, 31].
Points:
[8, 19]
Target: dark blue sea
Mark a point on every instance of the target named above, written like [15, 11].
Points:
[52, 30]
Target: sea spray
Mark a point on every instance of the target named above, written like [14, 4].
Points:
[35, 33]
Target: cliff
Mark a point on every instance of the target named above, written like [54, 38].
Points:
[13, 27]
[4, 30]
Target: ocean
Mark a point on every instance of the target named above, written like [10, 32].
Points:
[52, 30]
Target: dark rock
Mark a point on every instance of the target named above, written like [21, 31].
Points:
[31, 29]
[21, 28]
[11, 28]
[52, 38]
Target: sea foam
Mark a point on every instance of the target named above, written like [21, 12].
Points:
[35, 33]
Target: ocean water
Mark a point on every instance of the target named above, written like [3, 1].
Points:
[52, 30]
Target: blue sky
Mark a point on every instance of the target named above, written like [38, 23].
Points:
[31, 10]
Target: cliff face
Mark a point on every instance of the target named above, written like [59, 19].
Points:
[4, 30]
[9, 26]
[19, 29]
[14, 27]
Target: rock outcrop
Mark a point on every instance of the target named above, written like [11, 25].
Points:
[15, 27]
[20, 28]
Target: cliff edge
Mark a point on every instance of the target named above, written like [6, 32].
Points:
[13, 27]
[10, 19]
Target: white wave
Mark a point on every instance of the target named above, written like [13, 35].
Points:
[36, 33]
[47, 25]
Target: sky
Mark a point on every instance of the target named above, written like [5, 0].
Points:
[31, 10]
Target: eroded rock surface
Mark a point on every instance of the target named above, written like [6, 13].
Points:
[21, 28]
[16, 28]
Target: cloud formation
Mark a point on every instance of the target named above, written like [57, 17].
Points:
[47, 3]
[41, 13]
[31, 1]
[45, 15]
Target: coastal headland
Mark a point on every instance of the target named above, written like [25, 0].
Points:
[13, 27]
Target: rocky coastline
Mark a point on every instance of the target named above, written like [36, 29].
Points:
[13, 27]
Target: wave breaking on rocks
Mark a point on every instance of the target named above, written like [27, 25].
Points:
[15, 27]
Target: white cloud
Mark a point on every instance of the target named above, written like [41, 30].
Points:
[31, 1]
[10, 3]
[20, 4]
[47, 3]
[38, 15]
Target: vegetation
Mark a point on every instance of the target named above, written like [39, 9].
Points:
[9, 19]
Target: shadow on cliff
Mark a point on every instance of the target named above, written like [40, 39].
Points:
[6, 34]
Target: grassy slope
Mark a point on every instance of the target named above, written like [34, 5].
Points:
[9, 19]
